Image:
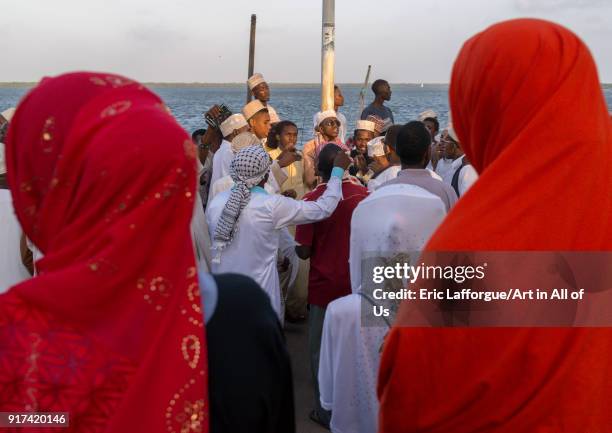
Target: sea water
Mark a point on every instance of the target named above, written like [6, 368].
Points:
[297, 103]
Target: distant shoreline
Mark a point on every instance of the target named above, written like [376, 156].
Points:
[18, 84]
[21, 85]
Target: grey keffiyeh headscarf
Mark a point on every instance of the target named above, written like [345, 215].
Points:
[248, 168]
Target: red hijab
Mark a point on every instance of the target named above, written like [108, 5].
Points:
[111, 331]
[528, 108]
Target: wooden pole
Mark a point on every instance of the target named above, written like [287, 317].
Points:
[328, 55]
[251, 55]
[363, 91]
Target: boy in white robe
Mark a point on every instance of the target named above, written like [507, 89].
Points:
[248, 226]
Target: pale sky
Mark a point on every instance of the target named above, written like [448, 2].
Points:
[406, 41]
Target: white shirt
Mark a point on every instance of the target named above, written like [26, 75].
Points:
[350, 356]
[262, 231]
[200, 235]
[12, 270]
[221, 162]
[348, 367]
[341, 130]
[444, 168]
[411, 215]
[387, 174]
[467, 175]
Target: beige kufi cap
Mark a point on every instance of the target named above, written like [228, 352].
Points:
[254, 80]
[235, 121]
[365, 125]
[252, 108]
[427, 114]
[322, 115]
[8, 114]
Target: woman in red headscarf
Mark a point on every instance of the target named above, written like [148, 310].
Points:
[111, 330]
[529, 110]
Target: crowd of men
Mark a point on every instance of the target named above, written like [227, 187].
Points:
[287, 218]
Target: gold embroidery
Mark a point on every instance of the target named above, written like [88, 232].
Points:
[192, 417]
[116, 108]
[47, 134]
[118, 81]
[97, 81]
[190, 347]
[157, 291]
[193, 295]
[29, 379]
[191, 272]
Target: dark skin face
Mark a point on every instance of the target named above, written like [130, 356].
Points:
[330, 128]
[262, 92]
[338, 98]
[431, 127]
[384, 92]
[452, 150]
[288, 138]
[361, 140]
[260, 124]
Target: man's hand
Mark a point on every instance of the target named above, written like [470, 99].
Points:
[287, 158]
[379, 164]
[361, 164]
[212, 139]
[342, 160]
[214, 112]
[283, 265]
[291, 193]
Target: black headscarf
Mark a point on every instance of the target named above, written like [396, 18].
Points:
[250, 381]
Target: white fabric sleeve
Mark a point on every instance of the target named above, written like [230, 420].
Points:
[287, 248]
[286, 211]
[355, 254]
[467, 178]
[278, 177]
[326, 363]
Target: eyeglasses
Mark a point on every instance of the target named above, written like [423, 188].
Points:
[330, 122]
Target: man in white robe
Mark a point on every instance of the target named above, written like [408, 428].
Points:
[394, 221]
[12, 270]
[248, 226]
[230, 128]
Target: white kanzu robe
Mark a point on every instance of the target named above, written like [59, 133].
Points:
[12, 270]
[388, 174]
[262, 231]
[221, 162]
[397, 218]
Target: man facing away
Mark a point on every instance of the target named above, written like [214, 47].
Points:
[382, 93]
[391, 225]
[326, 244]
[248, 226]
[413, 147]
